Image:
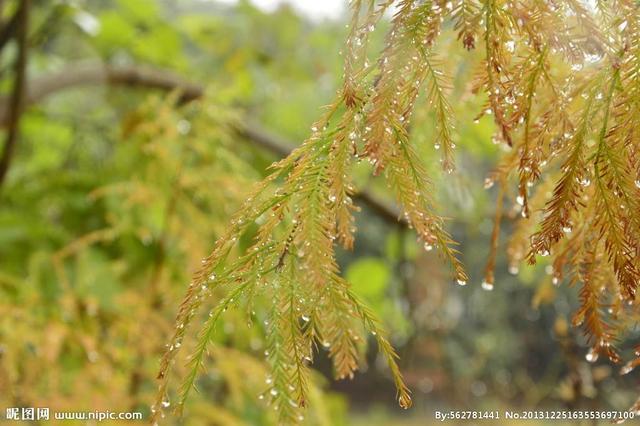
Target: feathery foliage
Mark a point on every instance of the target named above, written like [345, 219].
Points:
[561, 80]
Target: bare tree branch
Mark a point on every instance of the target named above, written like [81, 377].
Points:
[143, 77]
[99, 74]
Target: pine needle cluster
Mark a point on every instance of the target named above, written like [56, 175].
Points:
[561, 80]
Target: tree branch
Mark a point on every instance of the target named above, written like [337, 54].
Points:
[17, 96]
[8, 29]
[142, 77]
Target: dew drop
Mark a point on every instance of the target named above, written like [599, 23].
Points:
[305, 318]
[488, 183]
[166, 403]
[461, 282]
[428, 247]
[637, 182]
[626, 369]
[513, 269]
[487, 285]
[585, 181]
[273, 392]
[592, 355]
[510, 46]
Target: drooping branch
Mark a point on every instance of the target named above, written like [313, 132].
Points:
[152, 78]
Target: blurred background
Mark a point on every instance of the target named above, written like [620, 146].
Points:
[144, 125]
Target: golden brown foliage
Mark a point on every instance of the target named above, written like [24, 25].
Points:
[562, 83]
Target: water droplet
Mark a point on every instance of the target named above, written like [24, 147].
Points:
[461, 281]
[637, 182]
[488, 183]
[627, 368]
[487, 285]
[273, 392]
[428, 247]
[567, 229]
[520, 200]
[555, 281]
[593, 57]
[166, 403]
[305, 318]
[592, 355]
[513, 269]
[510, 46]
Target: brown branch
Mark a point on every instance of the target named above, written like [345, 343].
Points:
[17, 96]
[142, 77]
[99, 74]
